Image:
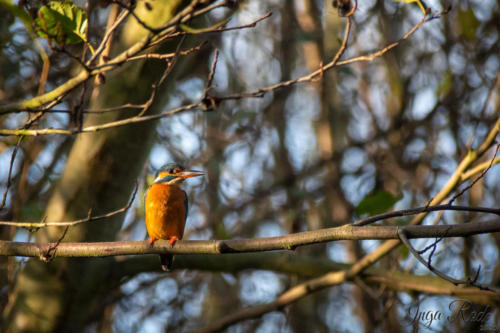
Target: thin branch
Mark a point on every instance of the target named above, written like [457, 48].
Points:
[170, 65]
[425, 209]
[50, 254]
[89, 218]
[336, 278]
[287, 242]
[9, 175]
[108, 36]
[416, 254]
[478, 169]
[169, 55]
[96, 128]
[208, 101]
[334, 63]
[478, 178]
[84, 74]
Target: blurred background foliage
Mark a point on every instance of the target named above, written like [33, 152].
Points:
[300, 158]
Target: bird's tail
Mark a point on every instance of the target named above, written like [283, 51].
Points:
[166, 261]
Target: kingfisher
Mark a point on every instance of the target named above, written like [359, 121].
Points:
[166, 207]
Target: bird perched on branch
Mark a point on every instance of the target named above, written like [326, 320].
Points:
[167, 206]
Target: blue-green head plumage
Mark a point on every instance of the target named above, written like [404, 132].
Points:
[174, 173]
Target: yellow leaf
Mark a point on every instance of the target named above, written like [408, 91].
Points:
[419, 3]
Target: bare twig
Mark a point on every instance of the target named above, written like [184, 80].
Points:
[208, 101]
[89, 218]
[336, 278]
[465, 189]
[50, 254]
[170, 65]
[425, 209]
[9, 175]
[107, 36]
[96, 128]
[145, 43]
[334, 63]
[416, 254]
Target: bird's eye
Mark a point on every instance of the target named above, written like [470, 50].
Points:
[170, 170]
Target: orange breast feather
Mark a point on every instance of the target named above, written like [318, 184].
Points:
[165, 211]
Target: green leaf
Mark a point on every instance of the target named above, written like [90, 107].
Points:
[445, 85]
[468, 23]
[376, 203]
[62, 23]
[221, 231]
[404, 252]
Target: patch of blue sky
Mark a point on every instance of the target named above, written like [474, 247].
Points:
[357, 187]
[302, 106]
[360, 126]
[491, 66]
[154, 323]
[270, 229]
[193, 305]
[405, 200]
[231, 220]
[364, 10]
[492, 179]
[369, 37]
[439, 62]
[470, 133]
[182, 132]
[230, 186]
[248, 213]
[474, 79]
[274, 322]
[222, 72]
[44, 159]
[446, 144]
[253, 64]
[424, 102]
[340, 313]
[238, 161]
[487, 257]
[22, 236]
[378, 97]
[59, 167]
[311, 184]
[5, 159]
[414, 150]
[370, 245]
[336, 251]
[164, 291]
[191, 88]
[254, 9]
[14, 120]
[476, 102]
[457, 60]
[278, 199]
[246, 166]
[483, 8]
[259, 287]
[159, 156]
[353, 159]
